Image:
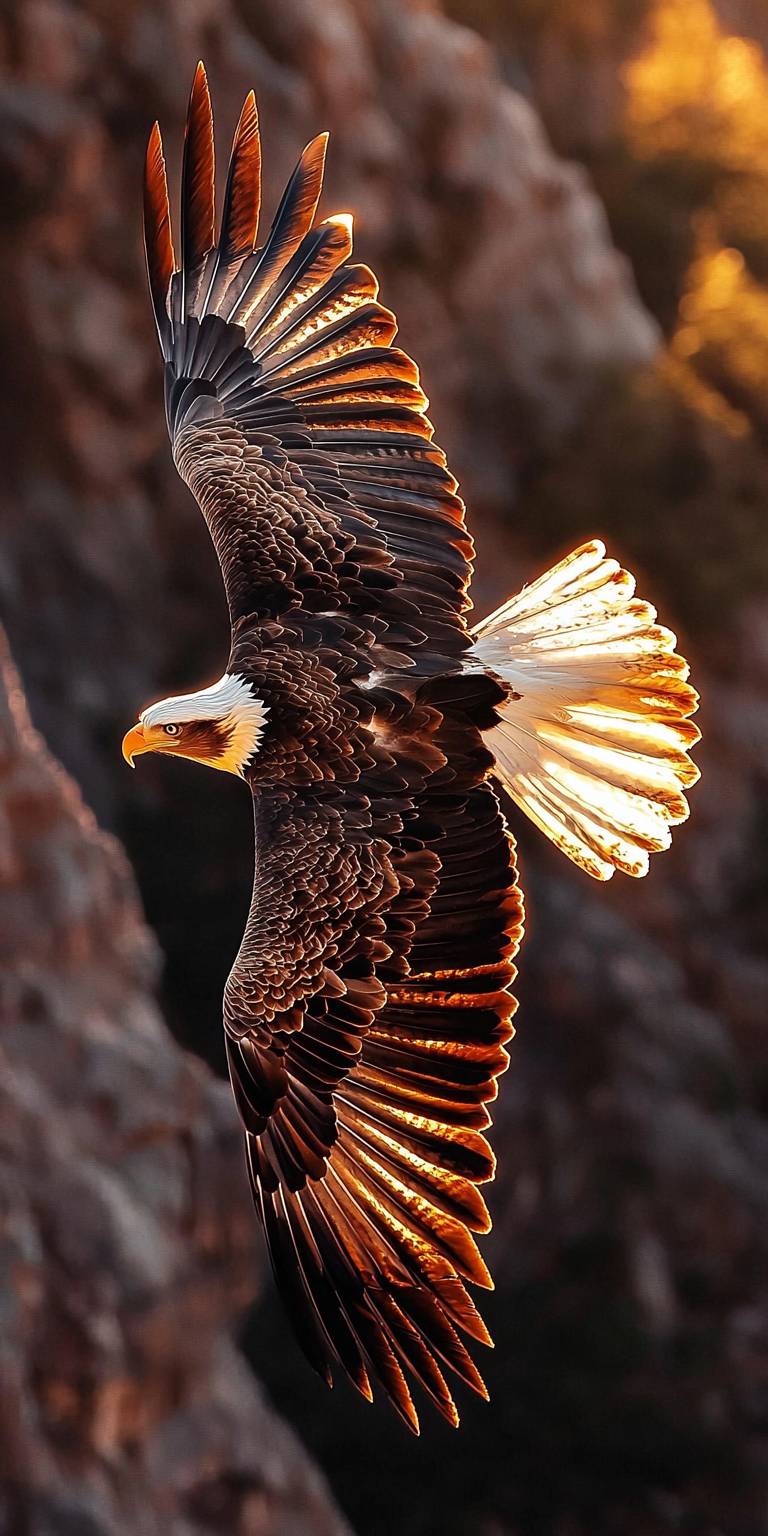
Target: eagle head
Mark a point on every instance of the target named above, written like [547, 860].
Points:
[221, 726]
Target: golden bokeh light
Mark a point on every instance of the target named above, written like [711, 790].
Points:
[696, 91]
[723, 330]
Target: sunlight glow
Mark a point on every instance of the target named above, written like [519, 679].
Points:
[696, 91]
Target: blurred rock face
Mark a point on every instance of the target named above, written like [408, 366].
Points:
[125, 1249]
[629, 1377]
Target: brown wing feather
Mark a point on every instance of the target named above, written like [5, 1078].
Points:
[198, 216]
[158, 242]
[242, 203]
[242, 199]
[290, 225]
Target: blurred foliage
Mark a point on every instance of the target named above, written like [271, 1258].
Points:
[722, 337]
[697, 92]
[692, 141]
[682, 168]
[659, 456]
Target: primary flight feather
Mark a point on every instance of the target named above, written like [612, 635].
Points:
[368, 1011]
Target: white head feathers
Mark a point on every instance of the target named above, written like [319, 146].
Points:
[232, 703]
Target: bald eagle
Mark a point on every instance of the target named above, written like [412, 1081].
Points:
[368, 1010]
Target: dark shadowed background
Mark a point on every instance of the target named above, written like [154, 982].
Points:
[567, 206]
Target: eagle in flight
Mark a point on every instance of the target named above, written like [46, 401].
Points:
[368, 1011]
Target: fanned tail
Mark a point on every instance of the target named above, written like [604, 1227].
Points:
[594, 738]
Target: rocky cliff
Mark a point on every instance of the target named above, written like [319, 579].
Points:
[126, 1251]
[629, 1379]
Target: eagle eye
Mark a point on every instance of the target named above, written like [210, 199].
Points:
[171, 730]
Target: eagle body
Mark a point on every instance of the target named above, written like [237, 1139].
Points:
[369, 1008]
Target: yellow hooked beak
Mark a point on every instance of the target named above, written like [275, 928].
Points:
[134, 742]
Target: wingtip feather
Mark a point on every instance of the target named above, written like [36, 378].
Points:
[198, 217]
[243, 198]
[158, 239]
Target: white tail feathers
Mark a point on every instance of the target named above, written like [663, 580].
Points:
[594, 737]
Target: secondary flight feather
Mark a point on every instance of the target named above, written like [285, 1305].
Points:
[369, 1009]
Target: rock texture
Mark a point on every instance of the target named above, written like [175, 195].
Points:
[126, 1245]
[629, 1379]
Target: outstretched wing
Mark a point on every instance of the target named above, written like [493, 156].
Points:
[368, 1009]
[365, 1093]
[295, 422]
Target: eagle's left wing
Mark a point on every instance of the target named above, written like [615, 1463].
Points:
[366, 1021]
